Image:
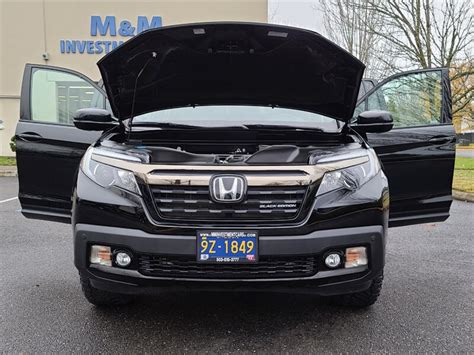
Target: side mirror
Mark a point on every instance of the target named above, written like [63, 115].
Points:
[93, 119]
[373, 122]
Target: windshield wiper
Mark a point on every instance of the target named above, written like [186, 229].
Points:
[164, 125]
[282, 127]
[170, 125]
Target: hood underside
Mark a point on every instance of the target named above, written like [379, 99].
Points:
[231, 64]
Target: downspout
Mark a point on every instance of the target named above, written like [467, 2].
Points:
[45, 54]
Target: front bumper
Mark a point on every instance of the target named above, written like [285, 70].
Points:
[323, 282]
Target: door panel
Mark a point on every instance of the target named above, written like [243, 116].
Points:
[49, 147]
[418, 154]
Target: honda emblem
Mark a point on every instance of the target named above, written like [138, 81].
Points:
[228, 188]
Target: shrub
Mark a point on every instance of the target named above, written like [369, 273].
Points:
[13, 144]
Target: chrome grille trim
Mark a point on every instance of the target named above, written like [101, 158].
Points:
[257, 175]
[258, 178]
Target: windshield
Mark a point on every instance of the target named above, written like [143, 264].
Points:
[225, 116]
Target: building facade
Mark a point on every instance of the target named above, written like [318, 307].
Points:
[75, 34]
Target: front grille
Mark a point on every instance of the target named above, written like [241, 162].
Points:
[262, 203]
[188, 267]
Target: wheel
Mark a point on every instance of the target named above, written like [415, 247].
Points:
[364, 298]
[101, 298]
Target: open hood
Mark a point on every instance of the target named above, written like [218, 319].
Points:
[231, 64]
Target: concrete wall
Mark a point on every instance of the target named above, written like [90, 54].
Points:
[30, 28]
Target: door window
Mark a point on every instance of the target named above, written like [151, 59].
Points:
[413, 99]
[56, 96]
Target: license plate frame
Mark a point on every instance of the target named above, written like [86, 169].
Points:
[221, 256]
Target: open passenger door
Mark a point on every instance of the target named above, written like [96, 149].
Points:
[49, 147]
[418, 153]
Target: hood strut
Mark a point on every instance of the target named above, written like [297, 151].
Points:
[132, 110]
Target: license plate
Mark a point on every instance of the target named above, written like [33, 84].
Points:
[227, 247]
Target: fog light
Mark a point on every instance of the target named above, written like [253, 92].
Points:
[101, 255]
[332, 260]
[356, 256]
[122, 259]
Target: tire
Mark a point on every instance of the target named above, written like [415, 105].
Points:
[364, 298]
[101, 298]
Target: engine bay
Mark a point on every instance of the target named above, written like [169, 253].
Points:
[230, 147]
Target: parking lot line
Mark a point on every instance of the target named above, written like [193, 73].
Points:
[9, 199]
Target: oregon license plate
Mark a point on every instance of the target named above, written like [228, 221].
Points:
[227, 246]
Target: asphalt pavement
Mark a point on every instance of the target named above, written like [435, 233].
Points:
[426, 303]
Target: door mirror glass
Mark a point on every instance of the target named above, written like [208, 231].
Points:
[375, 121]
[94, 119]
[56, 95]
[413, 99]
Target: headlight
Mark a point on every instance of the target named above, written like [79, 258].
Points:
[350, 178]
[107, 176]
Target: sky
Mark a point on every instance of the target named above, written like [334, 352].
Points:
[298, 13]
